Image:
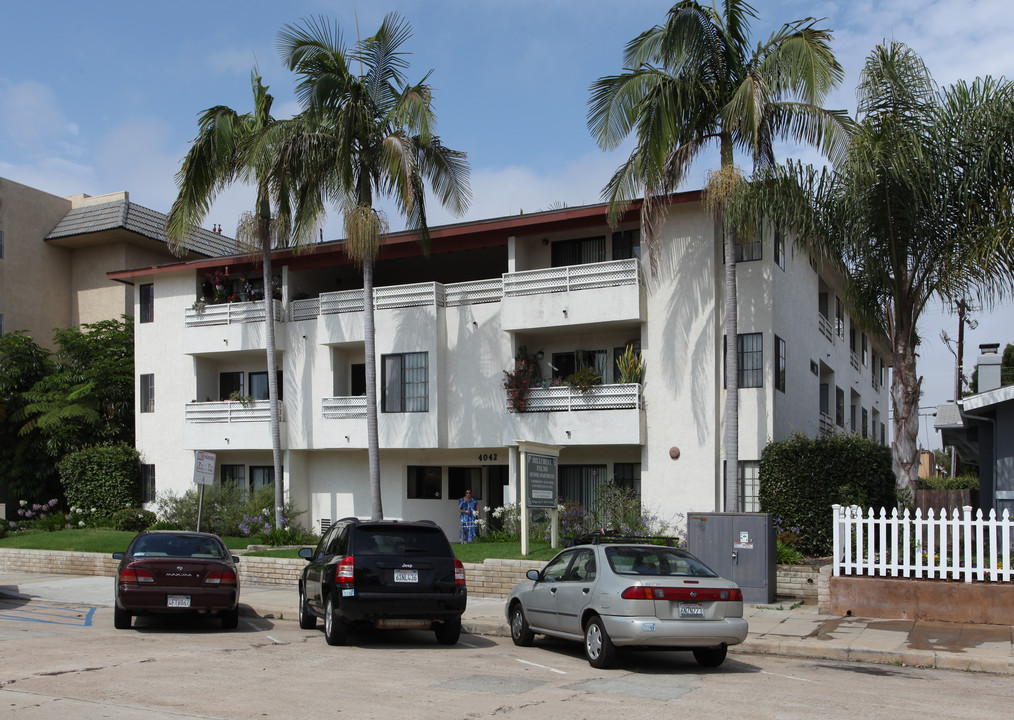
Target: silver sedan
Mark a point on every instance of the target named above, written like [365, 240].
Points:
[624, 592]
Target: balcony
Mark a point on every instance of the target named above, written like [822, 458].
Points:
[229, 327]
[230, 425]
[604, 415]
[825, 327]
[554, 297]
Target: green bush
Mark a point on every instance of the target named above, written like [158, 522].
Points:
[226, 511]
[133, 519]
[801, 478]
[106, 478]
[961, 482]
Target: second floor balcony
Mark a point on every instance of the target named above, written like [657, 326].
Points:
[609, 414]
[230, 425]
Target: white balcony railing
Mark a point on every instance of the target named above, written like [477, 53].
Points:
[417, 295]
[825, 327]
[230, 313]
[307, 309]
[344, 408]
[600, 397]
[473, 293]
[571, 277]
[230, 411]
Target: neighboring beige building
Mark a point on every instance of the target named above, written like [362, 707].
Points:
[55, 253]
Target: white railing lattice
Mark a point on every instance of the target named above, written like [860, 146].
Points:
[571, 277]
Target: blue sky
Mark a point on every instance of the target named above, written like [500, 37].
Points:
[97, 98]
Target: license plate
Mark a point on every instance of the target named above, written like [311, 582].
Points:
[691, 610]
[178, 601]
[406, 576]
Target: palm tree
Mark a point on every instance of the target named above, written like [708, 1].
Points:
[364, 135]
[693, 82]
[234, 147]
[920, 207]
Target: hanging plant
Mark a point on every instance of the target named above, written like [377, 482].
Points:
[519, 381]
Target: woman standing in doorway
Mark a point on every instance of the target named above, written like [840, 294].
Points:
[468, 511]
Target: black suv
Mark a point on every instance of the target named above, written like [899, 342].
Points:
[389, 574]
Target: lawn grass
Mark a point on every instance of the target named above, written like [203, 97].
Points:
[97, 540]
[104, 540]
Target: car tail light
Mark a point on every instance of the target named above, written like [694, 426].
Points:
[459, 572]
[220, 577]
[647, 592]
[132, 574]
[344, 573]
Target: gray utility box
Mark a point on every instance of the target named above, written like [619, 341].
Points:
[739, 547]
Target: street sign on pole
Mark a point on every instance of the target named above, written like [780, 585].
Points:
[204, 468]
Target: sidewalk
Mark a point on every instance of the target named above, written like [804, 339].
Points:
[782, 628]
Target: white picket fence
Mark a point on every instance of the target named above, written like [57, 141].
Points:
[965, 546]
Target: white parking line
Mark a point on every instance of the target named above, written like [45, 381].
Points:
[467, 644]
[788, 677]
[544, 667]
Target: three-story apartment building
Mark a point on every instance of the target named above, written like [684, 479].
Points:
[561, 286]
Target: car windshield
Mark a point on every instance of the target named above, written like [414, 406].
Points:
[194, 546]
[652, 560]
[401, 540]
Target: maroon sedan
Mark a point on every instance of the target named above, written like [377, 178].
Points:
[169, 572]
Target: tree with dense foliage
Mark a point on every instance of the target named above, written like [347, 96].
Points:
[366, 133]
[233, 147]
[920, 207]
[693, 82]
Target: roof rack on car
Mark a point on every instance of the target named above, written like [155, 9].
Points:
[600, 537]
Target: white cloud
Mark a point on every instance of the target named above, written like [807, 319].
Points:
[32, 116]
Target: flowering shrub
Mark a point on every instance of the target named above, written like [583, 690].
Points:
[259, 526]
[133, 519]
[519, 381]
[38, 516]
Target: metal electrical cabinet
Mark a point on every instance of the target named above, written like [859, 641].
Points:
[739, 547]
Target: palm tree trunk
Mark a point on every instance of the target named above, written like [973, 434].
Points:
[373, 441]
[731, 377]
[269, 341]
[905, 390]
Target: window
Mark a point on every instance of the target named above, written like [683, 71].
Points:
[852, 339]
[1, 323]
[147, 291]
[233, 476]
[618, 352]
[779, 364]
[261, 476]
[883, 434]
[822, 304]
[626, 245]
[628, 475]
[779, 249]
[357, 379]
[839, 317]
[825, 400]
[460, 479]
[405, 382]
[865, 425]
[747, 250]
[424, 483]
[229, 383]
[259, 385]
[148, 393]
[579, 484]
[147, 483]
[854, 418]
[866, 351]
[749, 485]
[839, 407]
[883, 373]
[579, 251]
[566, 364]
[751, 360]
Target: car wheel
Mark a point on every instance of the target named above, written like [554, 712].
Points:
[598, 648]
[521, 633]
[121, 618]
[336, 630]
[230, 619]
[306, 619]
[448, 631]
[711, 657]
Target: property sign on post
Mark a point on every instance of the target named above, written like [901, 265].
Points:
[541, 474]
[204, 468]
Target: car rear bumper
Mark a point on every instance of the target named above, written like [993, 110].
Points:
[386, 606]
[139, 600]
[651, 632]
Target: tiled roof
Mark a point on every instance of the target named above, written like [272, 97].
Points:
[136, 218]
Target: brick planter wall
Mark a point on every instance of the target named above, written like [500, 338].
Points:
[60, 563]
[798, 581]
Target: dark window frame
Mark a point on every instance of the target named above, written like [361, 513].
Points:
[751, 375]
[146, 396]
[412, 394]
[146, 292]
[781, 370]
[424, 482]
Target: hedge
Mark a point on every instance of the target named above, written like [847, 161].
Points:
[801, 478]
[106, 478]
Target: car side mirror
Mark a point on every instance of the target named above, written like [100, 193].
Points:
[235, 558]
[117, 556]
[306, 553]
[532, 575]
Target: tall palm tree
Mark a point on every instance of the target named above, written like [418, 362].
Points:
[693, 82]
[233, 147]
[366, 133]
[921, 206]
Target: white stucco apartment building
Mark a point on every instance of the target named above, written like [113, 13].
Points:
[560, 284]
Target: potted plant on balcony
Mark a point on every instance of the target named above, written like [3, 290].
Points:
[519, 381]
[583, 379]
[630, 365]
